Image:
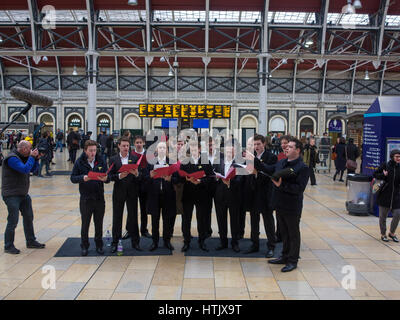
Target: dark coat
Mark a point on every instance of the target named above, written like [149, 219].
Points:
[389, 197]
[128, 185]
[233, 195]
[263, 185]
[45, 148]
[352, 151]
[288, 198]
[192, 192]
[157, 187]
[92, 189]
[340, 162]
[310, 157]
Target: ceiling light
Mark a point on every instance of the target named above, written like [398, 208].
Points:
[366, 75]
[162, 59]
[171, 73]
[45, 58]
[310, 42]
[357, 4]
[74, 72]
[133, 2]
[284, 61]
[175, 64]
[349, 9]
[1, 39]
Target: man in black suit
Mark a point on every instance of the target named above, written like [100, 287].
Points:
[161, 197]
[228, 196]
[195, 191]
[288, 200]
[125, 191]
[262, 200]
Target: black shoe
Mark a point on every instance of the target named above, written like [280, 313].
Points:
[84, 252]
[146, 234]
[168, 245]
[341, 180]
[221, 247]
[241, 236]
[136, 246]
[277, 261]
[270, 253]
[12, 250]
[252, 249]
[35, 245]
[48, 174]
[100, 250]
[114, 248]
[185, 247]
[235, 247]
[289, 267]
[203, 246]
[126, 236]
[153, 246]
[394, 238]
[334, 177]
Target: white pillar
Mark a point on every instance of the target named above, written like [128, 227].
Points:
[263, 75]
[92, 93]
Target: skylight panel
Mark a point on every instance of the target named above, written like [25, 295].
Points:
[393, 20]
[250, 16]
[189, 16]
[123, 15]
[162, 15]
[64, 15]
[225, 16]
[357, 19]
[4, 17]
[20, 15]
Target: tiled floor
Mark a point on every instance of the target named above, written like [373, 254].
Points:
[331, 239]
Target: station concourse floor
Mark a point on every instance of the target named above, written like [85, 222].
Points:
[330, 237]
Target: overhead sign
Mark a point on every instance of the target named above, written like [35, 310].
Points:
[169, 123]
[184, 111]
[201, 123]
[75, 122]
[341, 109]
[335, 125]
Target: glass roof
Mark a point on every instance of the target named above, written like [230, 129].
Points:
[293, 17]
[392, 20]
[122, 15]
[348, 19]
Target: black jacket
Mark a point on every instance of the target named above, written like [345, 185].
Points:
[288, 198]
[352, 152]
[156, 187]
[389, 197]
[44, 147]
[92, 189]
[128, 185]
[263, 187]
[340, 162]
[233, 195]
[192, 192]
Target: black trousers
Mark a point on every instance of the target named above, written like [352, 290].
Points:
[72, 155]
[201, 214]
[209, 201]
[289, 224]
[143, 213]
[88, 208]
[269, 226]
[242, 222]
[222, 219]
[166, 217]
[132, 219]
[312, 176]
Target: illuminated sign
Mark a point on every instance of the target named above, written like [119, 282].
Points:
[185, 111]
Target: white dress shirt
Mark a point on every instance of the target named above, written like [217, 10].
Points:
[91, 163]
[123, 161]
[227, 167]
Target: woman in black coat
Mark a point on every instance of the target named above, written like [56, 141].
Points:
[389, 196]
[340, 161]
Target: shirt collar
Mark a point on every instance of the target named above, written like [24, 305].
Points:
[127, 156]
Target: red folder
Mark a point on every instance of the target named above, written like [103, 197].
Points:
[143, 162]
[196, 175]
[95, 175]
[230, 175]
[166, 171]
[129, 167]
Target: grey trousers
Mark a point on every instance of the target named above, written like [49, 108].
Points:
[383, 213]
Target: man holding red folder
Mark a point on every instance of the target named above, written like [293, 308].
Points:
[228, 196]
[195, 191]
[92, 193]
[125, 190]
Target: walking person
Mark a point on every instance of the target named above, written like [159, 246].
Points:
[15, 184]
[389, 196]
[340, 161]
[45, 152]
[59, 139]
[352, 153]
[311, 158]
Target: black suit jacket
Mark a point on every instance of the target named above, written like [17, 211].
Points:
[129, 184]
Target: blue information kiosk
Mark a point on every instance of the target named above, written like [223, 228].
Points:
[381, 133]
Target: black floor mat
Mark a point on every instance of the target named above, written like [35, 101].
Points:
[72, 248]
[244, 244]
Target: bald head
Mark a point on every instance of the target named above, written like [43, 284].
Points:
[24, 148]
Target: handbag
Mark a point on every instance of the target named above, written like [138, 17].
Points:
[334, 156]
[378, 186]
[350, 164]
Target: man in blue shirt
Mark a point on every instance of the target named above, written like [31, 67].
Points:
[14, 190]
